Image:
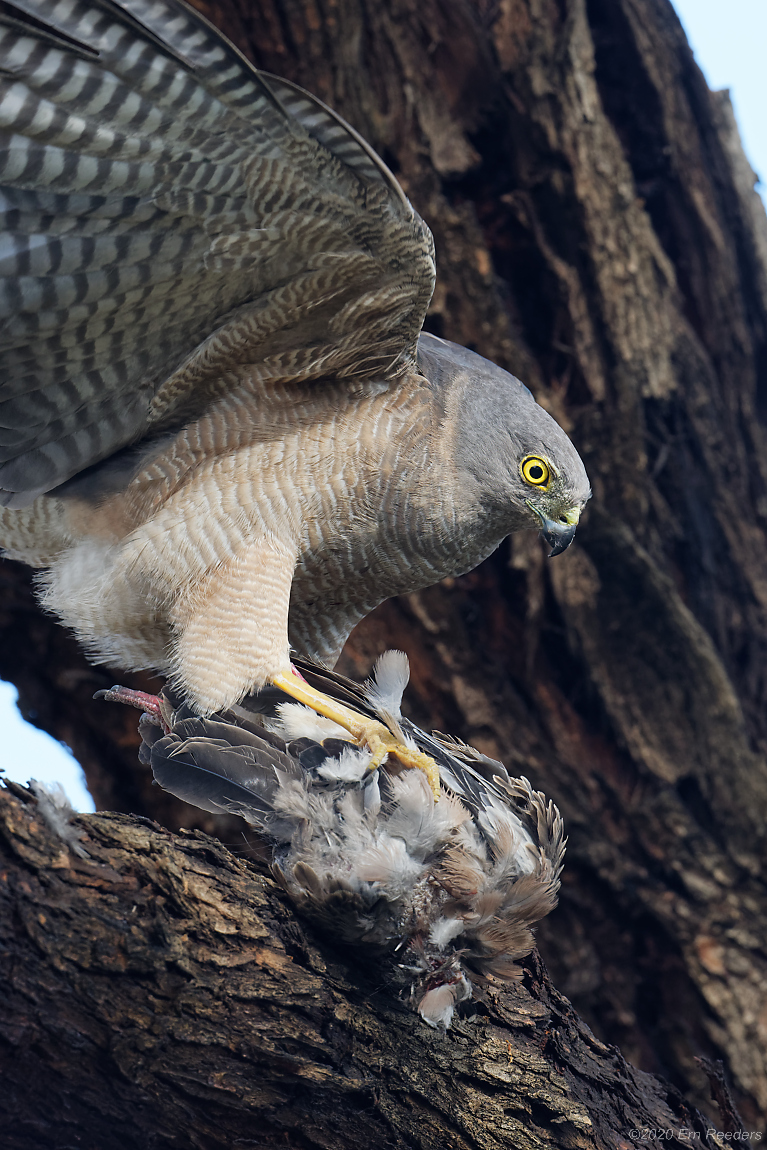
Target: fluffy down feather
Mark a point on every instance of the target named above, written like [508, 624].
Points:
[57, 811]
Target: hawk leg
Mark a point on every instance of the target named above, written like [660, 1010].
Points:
[232, 638]
[154, 705]
[231, 627]
[377, 737]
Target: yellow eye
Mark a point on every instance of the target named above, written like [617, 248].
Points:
[535, 471]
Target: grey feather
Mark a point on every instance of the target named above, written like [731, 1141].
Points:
[58, 812]
[390, 677]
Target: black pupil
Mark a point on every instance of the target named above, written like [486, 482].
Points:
[536, 472]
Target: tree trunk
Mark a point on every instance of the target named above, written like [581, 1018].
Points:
[598, 234]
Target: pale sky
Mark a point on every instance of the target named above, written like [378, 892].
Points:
[729, 38]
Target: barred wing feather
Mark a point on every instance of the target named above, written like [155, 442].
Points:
[169, 214]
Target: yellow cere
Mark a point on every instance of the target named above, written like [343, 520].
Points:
[535, 471]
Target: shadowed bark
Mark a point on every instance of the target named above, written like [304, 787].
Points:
[598, 234]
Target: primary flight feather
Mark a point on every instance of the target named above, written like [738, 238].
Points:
[222, 431]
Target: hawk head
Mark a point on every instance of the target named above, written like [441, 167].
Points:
[512, 457]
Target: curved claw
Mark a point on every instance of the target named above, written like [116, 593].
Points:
[372, 733]
[141, 700]
[384, 744]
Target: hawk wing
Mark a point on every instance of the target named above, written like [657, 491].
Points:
[168, 215]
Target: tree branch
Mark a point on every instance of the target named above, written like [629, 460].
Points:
[161, 992]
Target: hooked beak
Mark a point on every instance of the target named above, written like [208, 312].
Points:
[558, 533]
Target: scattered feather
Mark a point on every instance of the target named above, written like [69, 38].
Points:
[57, 812]
[444, 930]
[391, 675]
[350, 767]
[437, 1005]
[295, 721]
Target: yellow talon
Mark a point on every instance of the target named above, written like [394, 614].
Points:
[380, 740]
[374, 735]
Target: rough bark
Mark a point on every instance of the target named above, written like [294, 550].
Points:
[161, 994]
[598, 234]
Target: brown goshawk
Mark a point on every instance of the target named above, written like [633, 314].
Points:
[222, 431]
